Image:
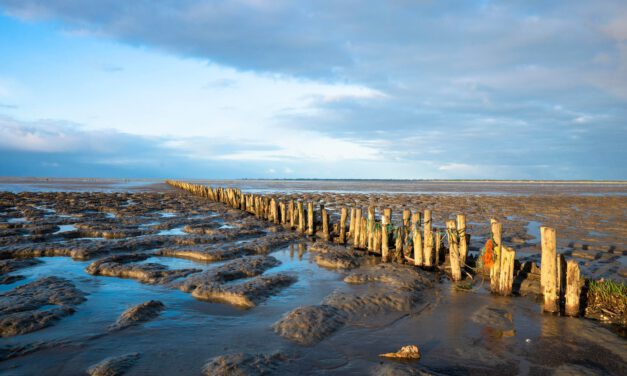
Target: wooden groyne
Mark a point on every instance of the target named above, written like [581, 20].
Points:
[413, 240]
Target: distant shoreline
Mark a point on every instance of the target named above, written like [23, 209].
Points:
[15, 179]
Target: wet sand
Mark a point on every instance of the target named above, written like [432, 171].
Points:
[246, 282]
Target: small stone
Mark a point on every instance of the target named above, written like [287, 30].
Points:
[406, 352]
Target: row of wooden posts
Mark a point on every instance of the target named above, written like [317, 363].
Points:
[423, 246]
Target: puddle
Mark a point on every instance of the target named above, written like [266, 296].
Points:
[17, 220]
[65, 228]
[533, 229]
[173, 231]
[167, 215]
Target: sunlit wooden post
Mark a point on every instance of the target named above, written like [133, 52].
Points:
[463, 246]
[495, 271]
[453, 247]
[428, 240]
[385, 221]
[548, 269]
[342, 231]
[573, 288]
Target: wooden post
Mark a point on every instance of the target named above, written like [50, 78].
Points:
[573, 288]
[495, 271]
[342, 231]
[291, 213]
[388, 212]
[406, 216]
[301, 217]
[310, 219]
[428, 240]
[357, 229]
[548, 269]
[418, 252]
[351, 228]
[399, 244]
[463, 246]
[385, 241]
[506, 279]
[325, 224]
[453, 248]
[438, 246]
[363, 233]
[370, 229]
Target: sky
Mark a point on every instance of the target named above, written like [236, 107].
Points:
[393, 89]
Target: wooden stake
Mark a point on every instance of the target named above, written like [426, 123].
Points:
[453, 248]
[325, 224]
[495, 271]
[343, 225]
[357, 229]
[418, 251]
[428, 241]
[291, 213]
[351, 228]
[310, 219]
[370, 228]
[573, 288]
[301, 217]
[506, 279]
[463, 246]
[548, 269]
[385, 241]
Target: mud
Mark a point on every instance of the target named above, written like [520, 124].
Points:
[137, 314]
[114, 366]
[390, 287]
[124, 266]
[37, 305]
[244, 364]
[246, 294]
[331, 309]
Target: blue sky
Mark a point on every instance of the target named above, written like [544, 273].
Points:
[321, 89]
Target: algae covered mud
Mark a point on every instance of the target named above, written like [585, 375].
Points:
[146, 279]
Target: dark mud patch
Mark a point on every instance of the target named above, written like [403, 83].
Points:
[137, 314]
[114, 366]
[242, 364]
[390, 287]
[37, 305]
[310, 324]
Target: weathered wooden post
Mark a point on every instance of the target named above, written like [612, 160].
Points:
[310, 219]
[351, 225]
[325, 224]
[385, 241]
[453, 248]
[506, 279]
[357, 229]
[370, 228]
[342, 229]
[406, 216]
[548, 269]
[399, 243]
[495, 272]
[388, 212]
[573, 288]
[463, 246]
[438, 245]
[291, 213]
[418, 251]
[301, 217]
[363, 233]
[428, 240]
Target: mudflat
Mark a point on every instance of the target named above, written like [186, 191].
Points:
[146, 279]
